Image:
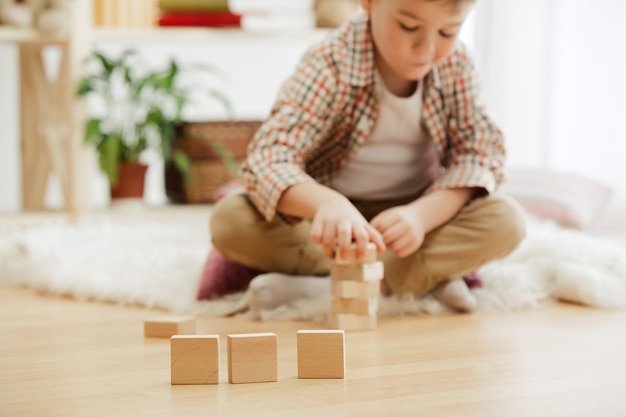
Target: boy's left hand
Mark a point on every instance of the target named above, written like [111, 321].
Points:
[402, 229]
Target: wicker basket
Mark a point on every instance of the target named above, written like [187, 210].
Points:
[208, 171]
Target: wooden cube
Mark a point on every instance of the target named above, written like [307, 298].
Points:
[358, 306]
[168, 326]
[355, 289]
[252, 358]
[195, 359]
[353, 321]
[358, 272]
[321, 354]
[371, 255]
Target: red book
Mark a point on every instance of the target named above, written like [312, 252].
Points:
[200, 19]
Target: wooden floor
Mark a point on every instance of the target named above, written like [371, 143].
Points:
[61, 357]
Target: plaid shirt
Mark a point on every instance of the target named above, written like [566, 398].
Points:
[328, 108]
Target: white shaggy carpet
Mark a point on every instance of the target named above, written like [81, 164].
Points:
[157, 263]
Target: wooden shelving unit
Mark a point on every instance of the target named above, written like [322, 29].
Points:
[51, 118]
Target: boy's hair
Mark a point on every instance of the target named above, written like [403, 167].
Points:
[456, 3]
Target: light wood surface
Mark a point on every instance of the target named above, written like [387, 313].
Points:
[321, 354]
[355, 289]
[359, 306]
[60, 357]
[371, 256]
[252, 358]
[168, 326]
[358, 272]
[195, 359]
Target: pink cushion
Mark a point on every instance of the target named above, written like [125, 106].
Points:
[570, 200]
[221, 276]
[473, 281]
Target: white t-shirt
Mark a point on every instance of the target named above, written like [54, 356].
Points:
[398, 159]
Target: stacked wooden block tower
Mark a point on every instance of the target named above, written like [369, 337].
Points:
[356, 291]
[195, 359]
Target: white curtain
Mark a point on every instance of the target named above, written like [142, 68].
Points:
[554, 73]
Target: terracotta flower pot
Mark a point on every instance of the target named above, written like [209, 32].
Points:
[130, 182]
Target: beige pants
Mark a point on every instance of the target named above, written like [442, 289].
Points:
[484, 230]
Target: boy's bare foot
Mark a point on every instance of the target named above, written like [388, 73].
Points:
[457, 295]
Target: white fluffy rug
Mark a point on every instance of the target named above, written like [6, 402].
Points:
[158, 263]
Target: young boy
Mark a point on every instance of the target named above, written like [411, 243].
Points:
[379, 136]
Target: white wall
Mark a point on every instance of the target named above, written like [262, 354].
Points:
[515, 58]
[553, 73]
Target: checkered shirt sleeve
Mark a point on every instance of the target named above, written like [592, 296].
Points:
[278, 154]
[470, 146]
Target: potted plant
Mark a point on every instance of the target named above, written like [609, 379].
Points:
[138, 109]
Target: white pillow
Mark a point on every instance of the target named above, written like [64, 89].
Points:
[571, 200]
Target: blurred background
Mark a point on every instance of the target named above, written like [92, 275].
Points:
[552, 72]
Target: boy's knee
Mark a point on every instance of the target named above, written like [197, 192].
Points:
[227, 215]
[508, 222]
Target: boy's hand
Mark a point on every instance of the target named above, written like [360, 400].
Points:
[337, 223]
[402, 229]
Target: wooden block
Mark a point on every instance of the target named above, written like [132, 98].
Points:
[252, 358]
[371, 255]
[195, 359]
[168, 326]
[358, 272]
[353, 321]
[321, 354]
[358, 306]
[355, 289]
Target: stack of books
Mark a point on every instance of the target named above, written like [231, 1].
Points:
[197, 13]
[131, 14]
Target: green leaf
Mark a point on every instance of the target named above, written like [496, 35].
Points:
[168, 132]
[84, 86]
[92, 131]
[110, 152]
[139, 86]
[183, 163]
[164, 83]
[107, 64]
[222, 99]
[122, 61]
[155, 116]
[128, 76]
[181, 101]
[227, 157]
[173, 69]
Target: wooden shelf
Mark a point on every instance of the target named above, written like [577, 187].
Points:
[16, 35]
[157, 34]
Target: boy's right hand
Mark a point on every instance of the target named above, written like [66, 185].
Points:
[337, 223]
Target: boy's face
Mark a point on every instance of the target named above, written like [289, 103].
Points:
[412, 36]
